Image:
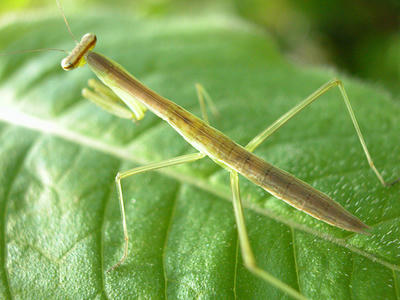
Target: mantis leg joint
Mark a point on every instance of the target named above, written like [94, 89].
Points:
[337, 81]
[118, 177]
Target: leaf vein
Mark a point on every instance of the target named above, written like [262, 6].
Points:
[167, 233]
[23, 243]
[5, 214]
[396, 287]
[70, 166]
[296, 267]
[66, 252]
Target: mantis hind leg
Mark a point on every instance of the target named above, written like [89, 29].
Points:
[150, 167]
[261, 137]
[247, 253]
[201, 96]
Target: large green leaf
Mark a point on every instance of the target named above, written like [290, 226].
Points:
[60, 222]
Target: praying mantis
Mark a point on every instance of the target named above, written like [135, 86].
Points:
[108, 100]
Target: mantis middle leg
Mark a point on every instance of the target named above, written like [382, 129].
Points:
[150, 167]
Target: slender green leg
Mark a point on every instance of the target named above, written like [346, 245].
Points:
[247, 253]
[150, 167]
[255, 142]
[201, 95]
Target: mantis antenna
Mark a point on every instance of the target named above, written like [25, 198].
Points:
[66, 21]
[32, 50]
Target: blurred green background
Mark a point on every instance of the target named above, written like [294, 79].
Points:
[361, 38]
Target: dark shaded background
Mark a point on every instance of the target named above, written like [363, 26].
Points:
[359, 37]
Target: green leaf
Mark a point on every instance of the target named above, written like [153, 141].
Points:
[60, 222]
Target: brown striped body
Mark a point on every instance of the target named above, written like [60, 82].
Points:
[223, 150]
